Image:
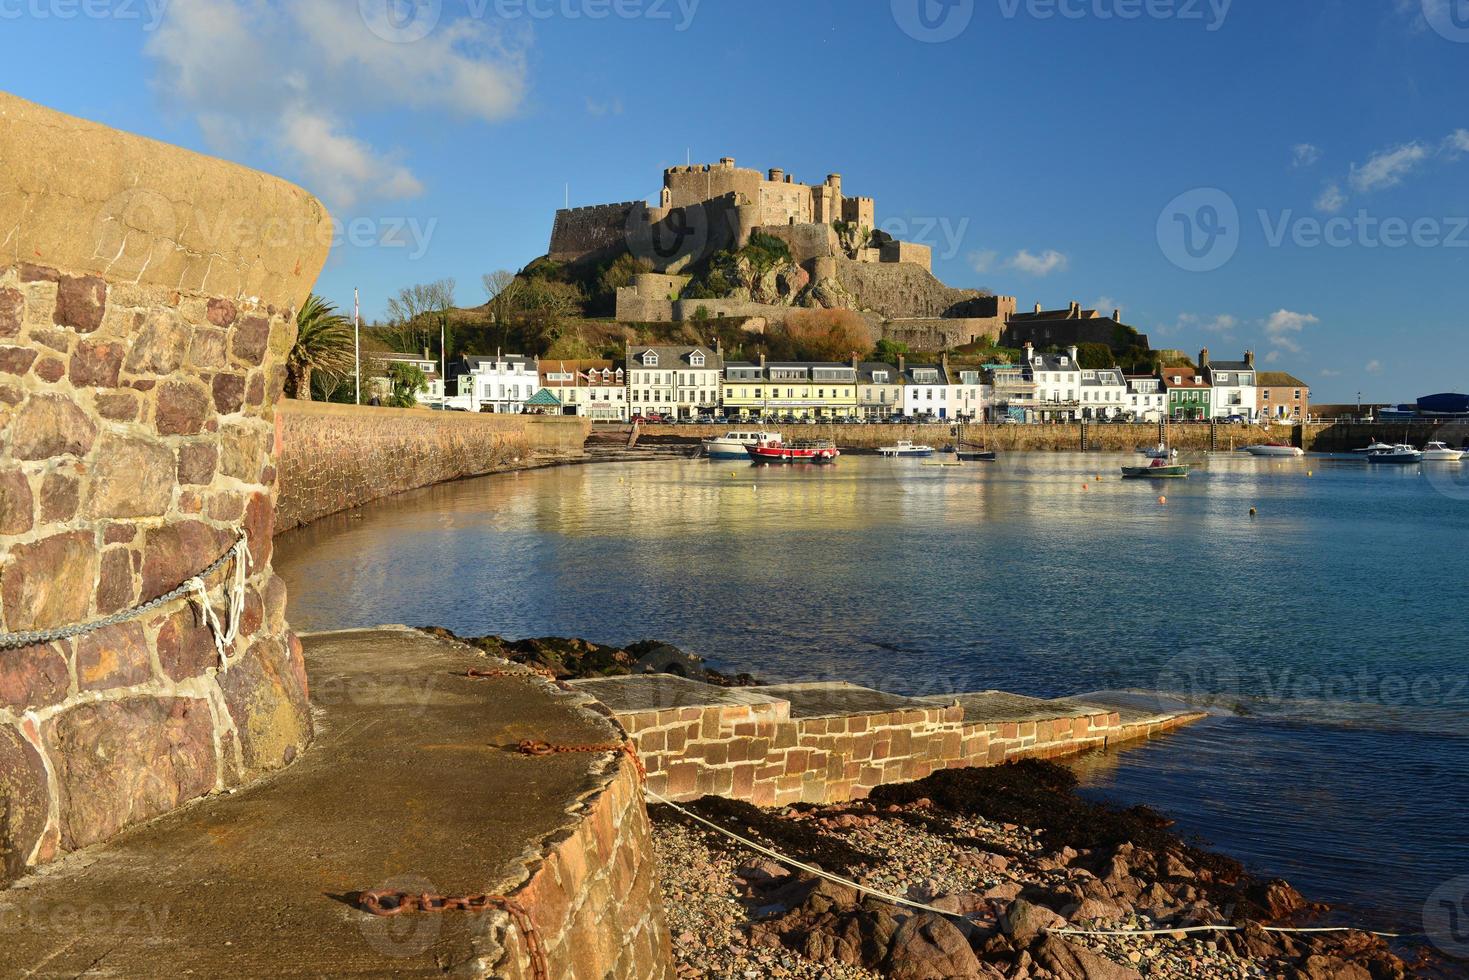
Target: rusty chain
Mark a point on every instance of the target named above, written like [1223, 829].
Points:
[534, 747]
[527, 671]
[391, 903]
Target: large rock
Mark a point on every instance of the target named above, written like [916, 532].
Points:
[133, 478]
[24, 802]
[1025, 922]
[159, 348]
[1067, 961]
[115, 656]
[81, 302]
[174, 554]
[51, 425]
[265, 692]
[49, 582]
[33, 677]
[120, 762]
[930, 947]
[17, 503]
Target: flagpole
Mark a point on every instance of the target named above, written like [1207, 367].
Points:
[357, 344]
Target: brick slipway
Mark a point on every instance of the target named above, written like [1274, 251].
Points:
[413, 782]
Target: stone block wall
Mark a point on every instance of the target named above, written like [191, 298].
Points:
[942, 334]
[141, 356]
[595, 899]
[760, 754]
[336, 457]
[579, 232]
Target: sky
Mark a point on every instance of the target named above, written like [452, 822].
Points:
[1285, 176]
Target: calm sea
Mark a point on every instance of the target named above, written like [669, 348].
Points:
[1329, 631]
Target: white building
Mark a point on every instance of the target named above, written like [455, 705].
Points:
[1234, 385]
[1147, 401]
[679, 381]
[381, 386]
[1057, 379]
[926, 391]
[1103, 393]
[969, 397]
[499, 384]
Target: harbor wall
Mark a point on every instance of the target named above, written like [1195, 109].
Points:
[145, 319]
[760, 754]
[336, 457]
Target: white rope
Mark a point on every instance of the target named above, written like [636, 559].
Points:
[224, 638]
[761, 848]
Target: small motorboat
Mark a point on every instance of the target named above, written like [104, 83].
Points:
[977, 455]
[1400, 454]
[906, 448]
[1439, 452]
[810, 451]
[1157, 470]
[1376, 447]
[732, 444]
[1276, 449]
[1161, 451]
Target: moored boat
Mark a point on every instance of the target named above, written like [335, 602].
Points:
[906, 447]
[977, 455]
[807, 451]
[1438, 452]
[1161, 451]
[1157, 470]
[1400, 454]
[732, 444]
[1275, 449]
[1375, 447]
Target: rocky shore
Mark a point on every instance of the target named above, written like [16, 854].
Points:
[1012, 854]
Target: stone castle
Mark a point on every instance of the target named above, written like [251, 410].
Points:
[838, 258]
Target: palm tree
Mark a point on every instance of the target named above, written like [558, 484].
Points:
[323, 343]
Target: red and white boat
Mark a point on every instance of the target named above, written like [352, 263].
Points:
[776, 451]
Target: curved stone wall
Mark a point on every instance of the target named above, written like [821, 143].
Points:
[147, 304]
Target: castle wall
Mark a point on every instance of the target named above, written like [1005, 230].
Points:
[579, 232]
[147, 304]
[909, 252]
[806, 241]
[942, 334]
[688, 186]
[1065, 333]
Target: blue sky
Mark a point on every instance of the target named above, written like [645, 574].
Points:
[1095, 150]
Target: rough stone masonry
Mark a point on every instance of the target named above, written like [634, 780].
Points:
[147, 304]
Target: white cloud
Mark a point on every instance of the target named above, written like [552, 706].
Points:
[1283, 327]
[1329, 373]
[1273, 357]
[1197, 323]
[285, 79]
[983, 261]
[1332, 198]
[1043, 264]
[1374, 367]
[1304, 155]
[1458, 142]
[1388, 167]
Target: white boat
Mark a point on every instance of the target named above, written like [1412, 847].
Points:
[1438, 452]
[1275, 449]
[1400, 454]
[1376, 447]
[906, 447]
[732, 444]
[1161, 452]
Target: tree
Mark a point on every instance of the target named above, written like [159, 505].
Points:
[547, 304]
[323, 343]
[504, 289]
[419, 316]
[408, 382]
[889, 350]
[827, 335]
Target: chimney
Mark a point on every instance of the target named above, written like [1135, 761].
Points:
[777, 175]
[855, 361]
[1204, 359]
[1250, 359]
[1030, 351]
[944, 363]
[902, 365]
[727, 163]
[1075, 309]
[718, 347]
[1037, 307]
[1117, 315]
[762, 360]
[1071, 351]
